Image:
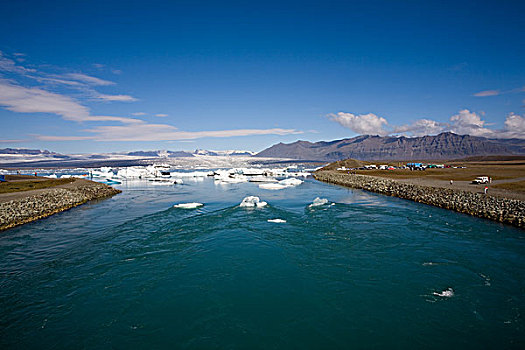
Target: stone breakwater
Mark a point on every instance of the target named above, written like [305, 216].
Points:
[51, 201]
[508, 211]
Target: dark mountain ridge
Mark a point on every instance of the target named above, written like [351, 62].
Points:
[368, 147]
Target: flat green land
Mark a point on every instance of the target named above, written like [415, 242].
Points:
[19, 183]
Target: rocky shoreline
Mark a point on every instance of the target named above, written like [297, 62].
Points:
[508, 211]
[51, 201]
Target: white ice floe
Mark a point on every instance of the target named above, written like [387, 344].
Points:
[318, 202]
[252, 201]
[447, 293]
[178, 182]
[291, 182]
[272, 186]
[277, 221]
[261, 178]
[192, 174]
[188, 205]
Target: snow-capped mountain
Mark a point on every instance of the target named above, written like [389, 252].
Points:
[228, 153]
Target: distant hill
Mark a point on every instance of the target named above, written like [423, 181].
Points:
[366, 147]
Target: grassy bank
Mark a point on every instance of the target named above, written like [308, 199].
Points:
[27, 183]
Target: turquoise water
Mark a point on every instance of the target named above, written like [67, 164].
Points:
[132, 272]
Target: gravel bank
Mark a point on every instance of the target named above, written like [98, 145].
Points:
[505, 210]
[31, 207]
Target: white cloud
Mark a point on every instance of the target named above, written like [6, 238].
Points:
[87, 79]
[17, 98]
[366, 124]
[21, 99]
[487, 93]
[421, 127]
[120, 98]
[12, 141]
[137, 114]
[515, 126]
[9, 65]
[161, 115]
[467, 122]
[159, 132]
[165, 132]
[63, 138]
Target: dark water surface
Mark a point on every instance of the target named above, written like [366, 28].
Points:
[132, 272]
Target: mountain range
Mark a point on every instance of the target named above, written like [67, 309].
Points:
[367, 147]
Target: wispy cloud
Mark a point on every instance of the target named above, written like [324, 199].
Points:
[165, 132]
[21, 99]
[12, 141]
[368, 124]
[487, 93]
[87, 79]
[160, 132]
[120, 98]
[17, 98]
[9, 65]
[63, 138]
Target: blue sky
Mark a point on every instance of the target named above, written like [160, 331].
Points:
[114, 76]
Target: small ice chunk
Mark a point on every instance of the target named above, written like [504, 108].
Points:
[447, 293]
[277, 221]
[252, 201]
[272, 186]
[178, 182]
[318, 202]
[291, 182]
[188, 205]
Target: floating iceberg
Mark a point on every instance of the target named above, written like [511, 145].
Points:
[291, 182]
[261, 178]
[188, 205]
[318, 202]
[192, 174]
[272, 186]
[252, 201]
[447, 293]
[277, 221]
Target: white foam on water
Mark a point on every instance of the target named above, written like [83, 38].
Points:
[252, 201]
[486, 278]
[318, 202]
[188, 205]
[277, 221]
[447, 293]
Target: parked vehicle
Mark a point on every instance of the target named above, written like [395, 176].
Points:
[481, 180]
